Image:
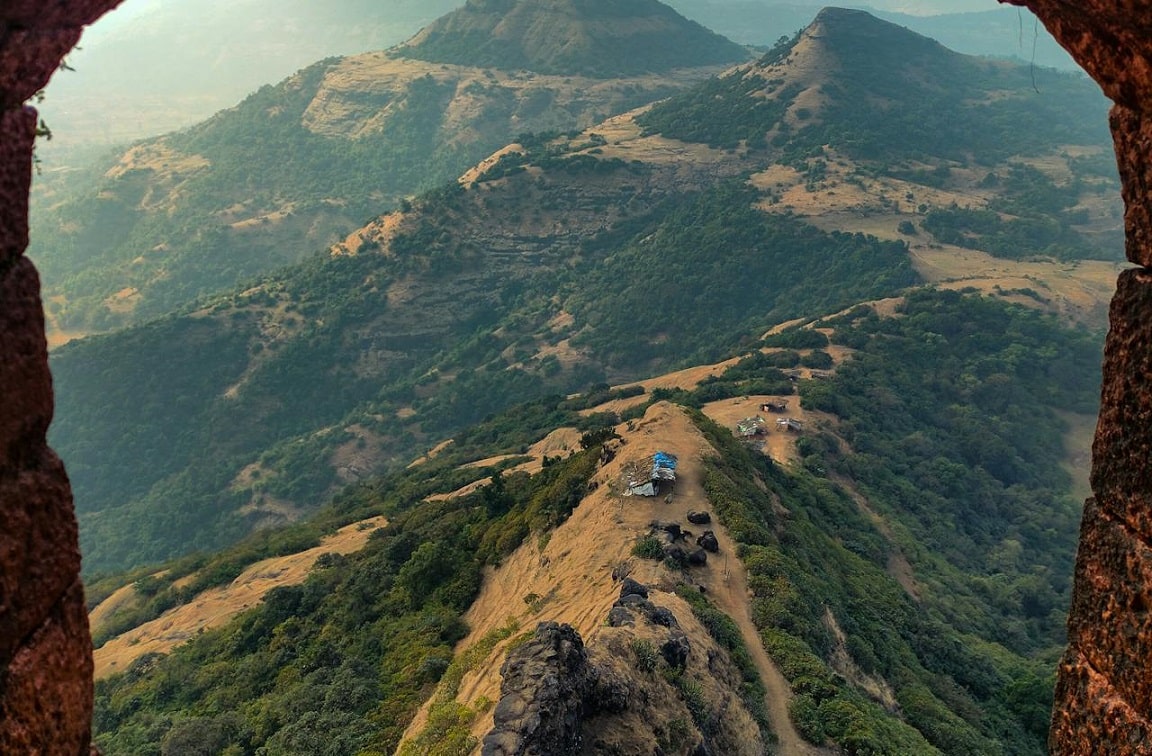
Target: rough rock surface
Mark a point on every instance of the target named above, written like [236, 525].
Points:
[544, 696]
[45, 648]
[1104, 691]
[708, 542]
[699, 518]
[631, 588]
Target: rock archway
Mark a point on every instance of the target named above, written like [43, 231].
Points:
[1104, 693]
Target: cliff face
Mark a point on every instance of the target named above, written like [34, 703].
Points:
[1104, 691]
[45, 651]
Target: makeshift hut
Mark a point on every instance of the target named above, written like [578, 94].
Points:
[663, 466]
[750, 427]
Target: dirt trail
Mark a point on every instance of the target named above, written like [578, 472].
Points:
[568, 578]
[732, 598]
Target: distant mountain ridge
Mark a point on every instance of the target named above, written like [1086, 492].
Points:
[215, 52]
[600, 38]
[296, 166]
[559, 262]
[879, 86]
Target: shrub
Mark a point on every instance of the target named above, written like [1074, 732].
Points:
[647, 657]
[648, 547]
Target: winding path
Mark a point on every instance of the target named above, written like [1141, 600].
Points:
[732, 596]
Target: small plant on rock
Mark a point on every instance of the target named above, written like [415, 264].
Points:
[646, 654]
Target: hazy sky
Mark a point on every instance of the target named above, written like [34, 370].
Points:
[130, 9]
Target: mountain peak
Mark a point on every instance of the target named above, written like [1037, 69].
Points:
[850, 32]
[602, 38]
[833, 15]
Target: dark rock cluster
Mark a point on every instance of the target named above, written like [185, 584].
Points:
[549, 688]
[634, 600]
[676, 547]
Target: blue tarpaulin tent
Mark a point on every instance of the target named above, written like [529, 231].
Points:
[663, 466]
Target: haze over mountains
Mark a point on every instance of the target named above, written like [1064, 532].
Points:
[297, 166]
[205, 56]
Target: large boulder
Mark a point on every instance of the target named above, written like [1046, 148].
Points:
[630, 587]
[544, 696]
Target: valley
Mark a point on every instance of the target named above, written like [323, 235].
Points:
[525, 277]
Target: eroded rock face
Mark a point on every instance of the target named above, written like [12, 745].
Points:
[45, 648]
[1104, 692]
[547, 682]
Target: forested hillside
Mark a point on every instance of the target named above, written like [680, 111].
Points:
[323, 350]
[567, 260]
[296, 166]
[907, 571]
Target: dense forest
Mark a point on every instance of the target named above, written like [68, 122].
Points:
[142, 436]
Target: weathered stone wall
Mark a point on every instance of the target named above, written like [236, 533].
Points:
[45, 650]
[1104, 693]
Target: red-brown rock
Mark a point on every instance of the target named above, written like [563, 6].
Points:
[27, 385]
[45, 648]
[17, 134]
[1110, 627]
[1102, 722]
[49, 685]
[1104, 689]
[1132, 133]
[1122, 450]
[39, 557]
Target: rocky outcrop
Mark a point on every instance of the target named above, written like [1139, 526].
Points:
[699, 518]
[1104, 691]
[649, 682]
[547, 683]
[708, 542]
[45, 649]
[634, 598]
